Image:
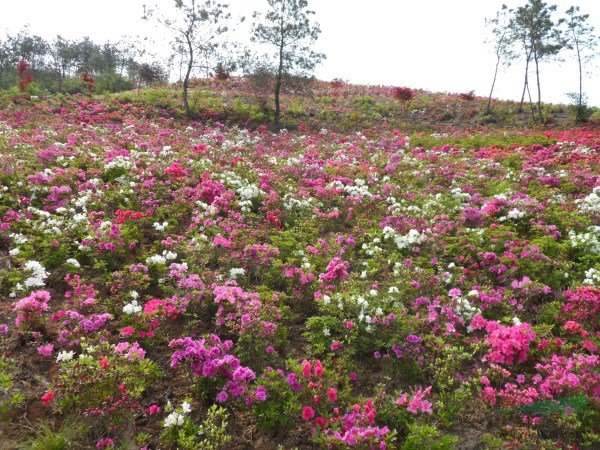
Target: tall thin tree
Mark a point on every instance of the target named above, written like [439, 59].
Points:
[287, 26]
[502, 44]
[196, 30]
[542, 36]
[580, 38]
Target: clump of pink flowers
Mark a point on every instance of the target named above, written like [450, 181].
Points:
[584, 306]
[244, 312]
[355, 428]
[510, 345]
[30, 307]
[417, 404]
[211, 359]
[336, 270]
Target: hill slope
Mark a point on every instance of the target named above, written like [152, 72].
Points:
[382, 287]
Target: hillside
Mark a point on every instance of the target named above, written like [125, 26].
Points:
[377, 275]
[346, 107]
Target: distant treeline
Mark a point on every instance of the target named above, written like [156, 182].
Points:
[58, 65]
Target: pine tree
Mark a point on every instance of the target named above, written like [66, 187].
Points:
[580, 38]
[287, 27]
[542, 39]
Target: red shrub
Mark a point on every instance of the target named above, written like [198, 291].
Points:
[403, 94]
[22, 68]
[467, 96]
[88, 79]
[337, 83]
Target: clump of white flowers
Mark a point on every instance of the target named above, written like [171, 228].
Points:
[591, 203]
[464, 308]
[177, 417]
[73, 262]
[413, 237]
[132, 308]
[122, 162]
[515, 214]
[371, 248]
[166, 255]
[592, 276]
[38, 274]
[248, 192]
[18, 238]
[235, 272]
[590, 240]
[65, 356]
[160, 226]
[290, 202]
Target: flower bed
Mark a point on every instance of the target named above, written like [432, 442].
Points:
[304, 289]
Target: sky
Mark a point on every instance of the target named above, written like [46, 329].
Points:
[436, 45]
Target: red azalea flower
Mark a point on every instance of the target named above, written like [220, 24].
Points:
[332, 394]
[48, 397]
[307, 413]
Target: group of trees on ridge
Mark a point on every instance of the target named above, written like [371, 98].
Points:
[57, 65]
[531, 35]
[283, 38]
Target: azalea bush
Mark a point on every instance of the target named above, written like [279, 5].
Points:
[200, 283]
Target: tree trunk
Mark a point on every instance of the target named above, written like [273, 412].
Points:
[489, 104]
[62, 73]
[526, 83]
[279, 70]
[578, 117]
[531, 104]
[186, 81]
[537, 75]
[278, 89]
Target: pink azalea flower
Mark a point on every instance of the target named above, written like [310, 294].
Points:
[45, 350]
[307, 413]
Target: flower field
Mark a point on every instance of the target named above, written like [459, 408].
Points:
[183, 285]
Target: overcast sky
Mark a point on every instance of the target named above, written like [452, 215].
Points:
[436, 45]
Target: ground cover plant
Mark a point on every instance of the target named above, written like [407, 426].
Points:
[167, 283]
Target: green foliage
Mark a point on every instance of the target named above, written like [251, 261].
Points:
[517, 437]
[454, 394]
[204, 100]
[577, 404]
[182, 433]
[213, 431]
[9, 398]
[581, 112]
[45, 436]
[548, 314]
[428, 437]
[102, 377]
[480, 140]
[281, 407]
[364, 102]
